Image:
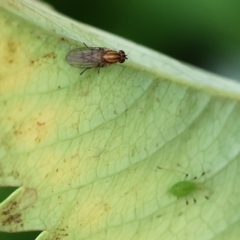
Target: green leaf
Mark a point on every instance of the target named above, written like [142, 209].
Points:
[85, 151]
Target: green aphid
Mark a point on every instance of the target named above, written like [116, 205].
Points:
[186, 188]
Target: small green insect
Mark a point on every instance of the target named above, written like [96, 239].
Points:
[183, 188]
[186, 188]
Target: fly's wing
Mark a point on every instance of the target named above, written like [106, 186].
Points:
[86, 57]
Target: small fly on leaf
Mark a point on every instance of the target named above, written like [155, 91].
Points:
[94, 57]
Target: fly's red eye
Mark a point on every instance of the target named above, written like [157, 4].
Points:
[123, 56]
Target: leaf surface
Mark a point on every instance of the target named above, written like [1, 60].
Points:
[85, 150]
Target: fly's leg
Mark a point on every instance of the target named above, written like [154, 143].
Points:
[99, 48]
[84, 70]
[86, 45]
[100, 66]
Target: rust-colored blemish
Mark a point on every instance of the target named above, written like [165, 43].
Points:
[37, 139]
[10, 61]
[13, 5]
[17, 132]
[15, 174]
[11, 46]
[60, 234]
[50, 55]
[63, 39]
[6, 212]
[106, 207]
[16, 218]
[40, 124]
[75, 155]
[10, 208]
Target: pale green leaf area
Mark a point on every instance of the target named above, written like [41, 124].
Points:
[85, 150]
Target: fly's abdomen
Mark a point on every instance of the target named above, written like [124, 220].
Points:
[114, 56]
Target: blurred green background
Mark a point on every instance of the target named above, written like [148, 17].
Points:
[203, 33]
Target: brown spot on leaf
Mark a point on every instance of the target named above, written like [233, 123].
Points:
[15, 174]
[60, 234]
[17, 132]
[11, 207]
[38, 140]
[14, 6]
[40, 124]
[106, 207]
[15, 218]
[50, 55]
[11, 46]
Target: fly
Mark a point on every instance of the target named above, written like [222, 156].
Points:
[94, 57]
